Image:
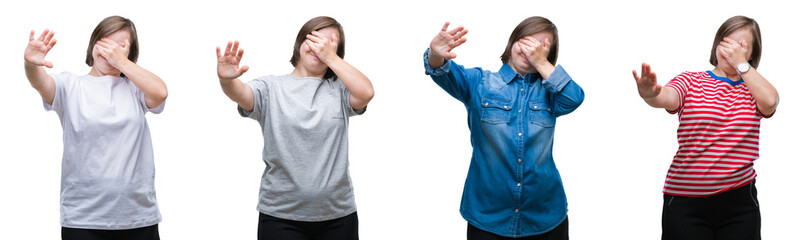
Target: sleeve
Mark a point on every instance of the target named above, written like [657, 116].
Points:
[260, 89]
[350, 111]
[141, 99]
[63, 82]
[157, 110]
[565, 94]
[454, 78]
[681, 84]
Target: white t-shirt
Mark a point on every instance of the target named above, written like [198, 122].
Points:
[107, 167]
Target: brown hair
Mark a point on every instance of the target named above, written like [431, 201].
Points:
[731, 25]
[109, 26]
[316, 24]
[530, 26]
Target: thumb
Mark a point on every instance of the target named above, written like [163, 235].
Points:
[243, 69]
[48, 64]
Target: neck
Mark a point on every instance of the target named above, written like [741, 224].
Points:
[97, 73]
[301, 72]
[719, 72]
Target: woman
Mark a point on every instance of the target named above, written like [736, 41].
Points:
[513, 189]
[306, 190]
[710, 190]
[107, 168]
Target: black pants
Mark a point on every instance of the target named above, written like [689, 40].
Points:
[145, 233]
[273, 228]
[729, 215]
[561, 232]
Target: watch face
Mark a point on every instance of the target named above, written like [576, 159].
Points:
[743, 67]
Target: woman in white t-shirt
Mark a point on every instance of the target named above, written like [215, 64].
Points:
[107, 166]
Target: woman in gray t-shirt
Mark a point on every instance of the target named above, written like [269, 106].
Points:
[306, 190]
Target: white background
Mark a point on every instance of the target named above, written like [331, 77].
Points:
[410, 152]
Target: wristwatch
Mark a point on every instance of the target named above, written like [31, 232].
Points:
[743, 67]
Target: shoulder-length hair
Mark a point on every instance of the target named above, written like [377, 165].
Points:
[316, 24]
[530, 26]
[109, 26]
[731, 25]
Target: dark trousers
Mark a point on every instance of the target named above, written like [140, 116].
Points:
[729, 215]
[145, 233]
[561, 232]
[273, 228]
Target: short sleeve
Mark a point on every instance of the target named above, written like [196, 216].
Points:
[347, 103]
[141, 98]
[259, 88]
[681, 84]
[62, 81]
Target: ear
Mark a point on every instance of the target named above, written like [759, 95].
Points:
[334, 37]
[126, 43]
[547, 43]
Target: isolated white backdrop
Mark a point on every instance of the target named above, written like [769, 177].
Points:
[410, 152]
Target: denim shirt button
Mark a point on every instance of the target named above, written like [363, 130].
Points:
[519, 159]
[519, 134]
[517, 210]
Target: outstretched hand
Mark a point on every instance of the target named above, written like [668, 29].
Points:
[447, 40]
[648, 86]
[38, 48]
[228, 63]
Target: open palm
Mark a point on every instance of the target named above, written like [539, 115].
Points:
[38, 48]
[228, 63]
[447, 40]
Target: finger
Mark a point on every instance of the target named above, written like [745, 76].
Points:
[445, 26]
[52, 43]
[48, 64]
[48, 37]
[240, 54]
[451, 55]
[218, 52]
[635, 76]
[316, 37]
[455, 31]
[42, 36]
[243, 69]
[460, 34]
[227, 51]
[31, 37]
[235, 48]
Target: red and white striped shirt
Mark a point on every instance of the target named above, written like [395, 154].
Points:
[717, 136]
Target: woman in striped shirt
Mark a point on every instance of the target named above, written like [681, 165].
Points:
[710, 190]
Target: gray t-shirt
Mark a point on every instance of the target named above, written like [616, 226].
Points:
[305, 128]
[107, 169]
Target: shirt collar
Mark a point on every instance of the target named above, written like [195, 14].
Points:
[508, 74]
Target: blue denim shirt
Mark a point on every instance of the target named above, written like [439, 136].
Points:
[513, 188]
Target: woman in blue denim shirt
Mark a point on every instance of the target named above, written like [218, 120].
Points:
[513, 189]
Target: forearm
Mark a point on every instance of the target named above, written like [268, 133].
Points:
[666, 99]
[41, 81]
[362, 91]
[151, 85]
[545, 69]
[762, 90]
[238, 92]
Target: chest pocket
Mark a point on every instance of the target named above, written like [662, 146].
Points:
[540, 113]
[495, 111]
